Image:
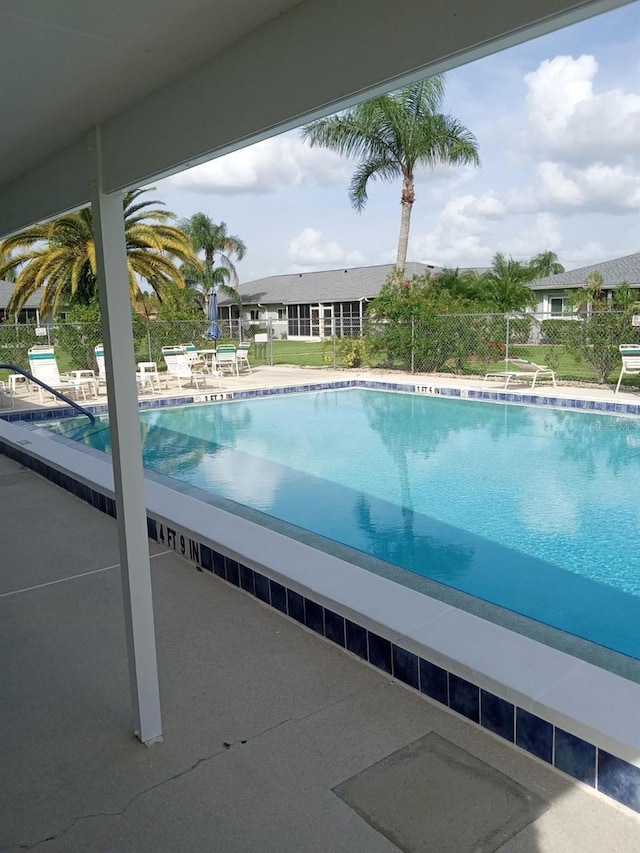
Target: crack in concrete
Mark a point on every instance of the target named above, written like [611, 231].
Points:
[226, 747]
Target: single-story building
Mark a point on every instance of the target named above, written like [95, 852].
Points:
[30, 312]
[313, 305]
[551, 291]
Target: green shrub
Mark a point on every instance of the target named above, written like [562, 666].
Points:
[352, 351]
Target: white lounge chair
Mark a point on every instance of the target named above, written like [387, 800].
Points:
[242, 357]
[101, 378]
[226, 359]
[181, 366]
[630, 354]
[43, 365]
[522, 369]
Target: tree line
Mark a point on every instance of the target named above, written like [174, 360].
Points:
[178, 259]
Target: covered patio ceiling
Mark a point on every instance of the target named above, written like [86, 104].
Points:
[174, 84]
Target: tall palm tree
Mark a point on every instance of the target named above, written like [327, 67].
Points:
[213, 241]
[59, 257]
[391, 136]
[545, 264]
[505, 287]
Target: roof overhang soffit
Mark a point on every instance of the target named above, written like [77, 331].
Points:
[316, 58]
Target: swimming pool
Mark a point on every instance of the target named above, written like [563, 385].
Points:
[534, 510]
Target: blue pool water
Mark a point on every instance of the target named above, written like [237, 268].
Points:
[536, 510]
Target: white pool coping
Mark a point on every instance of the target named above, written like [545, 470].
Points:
[601, 707]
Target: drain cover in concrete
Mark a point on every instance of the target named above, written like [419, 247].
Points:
[434, 796]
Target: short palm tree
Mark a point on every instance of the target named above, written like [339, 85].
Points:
[545, 264]
[393, 135]
[211, 240]
[505, 287]
[461, 284]
[59, 257]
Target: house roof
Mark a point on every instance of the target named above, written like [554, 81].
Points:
[613, 272]
[340, 285]
[6, 292]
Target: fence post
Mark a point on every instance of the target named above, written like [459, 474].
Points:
[506, 348]
[335, 342]
[149, 340]
[413, 339]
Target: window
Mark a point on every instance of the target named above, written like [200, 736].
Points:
[299, 320]
[282, 313]
[347, 319]
[229, 312]
[254, 313]
[559, 306]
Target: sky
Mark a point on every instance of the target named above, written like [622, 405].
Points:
[557, 121]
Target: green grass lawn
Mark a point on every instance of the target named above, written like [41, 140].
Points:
[301, 353]
[308, 354]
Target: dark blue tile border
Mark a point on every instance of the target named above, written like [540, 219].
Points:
[575, 756]
[278, 596]
[295, 605]
[405, 666]
[262, 588]
[314, 616]
[233, 571]
[464, 697]
[434, 681]
[356, 639]
[610, 774]
[619, 780]
[497, 715]
[380, 652]
[534, 734]
[334, 627]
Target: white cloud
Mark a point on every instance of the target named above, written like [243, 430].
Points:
[457, 239]
[571, 122]
[542, 235]
[591, 252]
[283, 161]
[596, 188]
[487, 206]
[310, 249]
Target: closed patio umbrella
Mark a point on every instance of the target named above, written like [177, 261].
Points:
[214, 331]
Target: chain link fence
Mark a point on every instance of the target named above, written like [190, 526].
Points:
[579, 347]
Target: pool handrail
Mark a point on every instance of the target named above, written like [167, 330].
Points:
[15, 369]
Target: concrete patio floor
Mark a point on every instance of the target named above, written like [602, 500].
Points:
[265, 376]
[262, 720]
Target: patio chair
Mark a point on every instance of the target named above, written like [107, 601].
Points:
[194, 357]
[43, 366]
[101, 378]
[242, 357]
[522, 369]
[630, 354]
[226, 359]
[6, 396]
[148, 377]
[181, 366]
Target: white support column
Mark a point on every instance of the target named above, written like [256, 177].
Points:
[117, 331]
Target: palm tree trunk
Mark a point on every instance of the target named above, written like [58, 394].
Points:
[408, 197]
